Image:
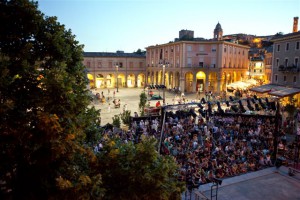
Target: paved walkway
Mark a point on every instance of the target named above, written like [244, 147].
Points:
[131, 97]
[270, 183]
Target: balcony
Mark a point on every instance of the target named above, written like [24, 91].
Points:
[289, 69]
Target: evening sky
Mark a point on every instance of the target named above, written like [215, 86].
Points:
[128, 25]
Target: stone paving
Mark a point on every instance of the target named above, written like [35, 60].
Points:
[131, 97]
[269, 184]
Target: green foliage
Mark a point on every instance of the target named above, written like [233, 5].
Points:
[142, 104]
[140, 52]
[116, 121]
[125, 116]
[137, 171]
[290, 107]
[45, 123]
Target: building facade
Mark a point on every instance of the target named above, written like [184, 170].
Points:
[197, 64]
[115, 70]
[286, 58]
[257, 69]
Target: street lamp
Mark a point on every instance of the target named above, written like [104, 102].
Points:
[164, 84]
[164, 80]
[117, 68]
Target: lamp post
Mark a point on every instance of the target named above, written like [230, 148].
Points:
[117, 69]
[164, 66]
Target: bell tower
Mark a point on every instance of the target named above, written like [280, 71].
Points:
[218, 32]
[295, 25]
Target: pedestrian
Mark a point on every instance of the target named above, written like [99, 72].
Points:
[114, 93]
[108, 108]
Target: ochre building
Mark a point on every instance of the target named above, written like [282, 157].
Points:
[191, 64]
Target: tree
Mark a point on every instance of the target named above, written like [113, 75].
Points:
[116, 121]
[125, 116]
[142, 104]
[138, 171]
[46, 125]
[140, 52]
[44, 113]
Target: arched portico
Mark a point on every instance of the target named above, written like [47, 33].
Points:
[200, 81]
[141, 80]
[189, 82]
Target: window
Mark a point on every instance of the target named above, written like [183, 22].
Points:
[88, 64]
[189, 48]
[277, 62]
[130, 64]
[189, 62]
[286, 62]
[201, 48]
[297, 45]
[296, 62]
[287, 46]
[276, 78]
[110, 64]
[99, 64]
[141, 64]
[284, 78]
[201, 64]
[225, 49]
[213, 48]
[120, 64]
[295, 79]
[278, 47]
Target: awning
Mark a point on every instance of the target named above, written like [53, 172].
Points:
[276, 90]
[286, 92]
[263, 88]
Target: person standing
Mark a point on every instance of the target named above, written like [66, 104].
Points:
[157, 104]
[108, 108]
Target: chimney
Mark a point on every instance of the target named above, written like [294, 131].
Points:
[295, 26]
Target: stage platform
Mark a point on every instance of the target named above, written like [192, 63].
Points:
[270, 183]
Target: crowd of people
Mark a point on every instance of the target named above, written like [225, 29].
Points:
[222, 146]
[218, 145]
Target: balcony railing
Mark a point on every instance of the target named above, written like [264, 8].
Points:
[290, 68]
